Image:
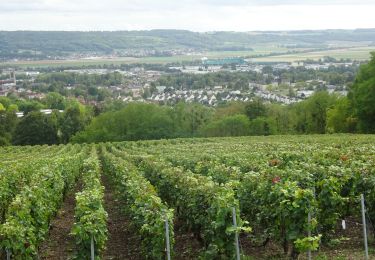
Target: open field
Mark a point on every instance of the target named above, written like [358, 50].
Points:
[101, 61]
[355, 53]
[122, 195]
[152, 60]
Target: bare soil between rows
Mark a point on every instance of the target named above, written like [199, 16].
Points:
[59, 245]
[123, 241]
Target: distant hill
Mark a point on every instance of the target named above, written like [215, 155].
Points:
[41, 44]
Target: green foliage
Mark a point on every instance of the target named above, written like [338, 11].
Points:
[279, 180]
[230, 109]
[29, 214]
[339, 117]
[317, 107]
[308, 243]
[237, 125]
[311, 115]
[362, 95]
[142, 203]
[320, 113]
[8, 122]
[54, 100]
[29, 106]
[90, 216]
[282, 117]
[255, 109]
[12, 108]
[262, 126]
[74, 119]
[5, 102]
[183, 190]
[272, 182]
[36, 128]
[135, 122]
[190, 118]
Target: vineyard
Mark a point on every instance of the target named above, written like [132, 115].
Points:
[279, 197]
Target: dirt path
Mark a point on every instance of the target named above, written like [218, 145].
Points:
[186, 245]
[123, 241]
[59, 245]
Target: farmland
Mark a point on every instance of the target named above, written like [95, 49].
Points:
[358, 53]
[353, 53]
[261, 50]
[124, 193]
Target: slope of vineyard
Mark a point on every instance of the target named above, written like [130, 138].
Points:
[272, 184]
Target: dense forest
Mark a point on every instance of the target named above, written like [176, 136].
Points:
[39, 44]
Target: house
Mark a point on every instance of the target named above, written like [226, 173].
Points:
[304, 93]
[3, 93]
[160, 89]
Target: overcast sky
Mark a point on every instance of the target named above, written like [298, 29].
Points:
[195, 15]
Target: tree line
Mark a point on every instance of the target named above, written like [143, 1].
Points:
[238, 80]
[67, 118]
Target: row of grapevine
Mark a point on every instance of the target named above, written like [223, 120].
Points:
[336, 177]
[90, 216]
[31, 210]
[21, 155]
[275, 185]
[278, 184]
[14, 176]
[278, 208]
[142, 203]
[205, 207]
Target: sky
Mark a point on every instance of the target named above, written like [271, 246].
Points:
[194, 15]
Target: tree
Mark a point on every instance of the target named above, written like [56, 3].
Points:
[5, 101]
[13, 108]
[103, 94]
[136, 121]
[339, 119]
[8, 120]
[237, 125]
[262, 126]
[317, 106]
[255, 109]
[283, 118]
[362, 96]
[36, 129]
[92, 91]
[300, 113]
[28, 106]
[230, 109]
[2, 108]
[72, 122]
[54, 100]
[189, 118]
